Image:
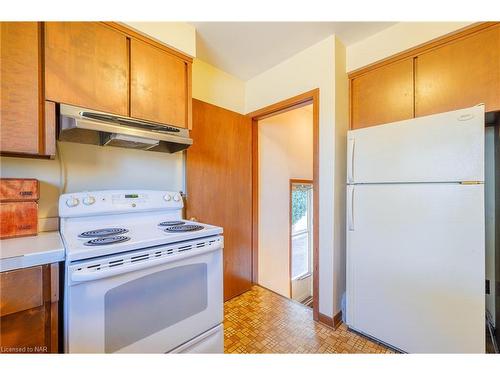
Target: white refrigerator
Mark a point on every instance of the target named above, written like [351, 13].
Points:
[416, 232]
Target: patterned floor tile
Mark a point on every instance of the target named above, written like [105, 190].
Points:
[260, 321]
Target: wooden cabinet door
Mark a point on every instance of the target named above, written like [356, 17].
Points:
[219, 186]
[86, 64]
[382, 95]
[20, 70]
[460, 74]
[29, 308]
[159, 85]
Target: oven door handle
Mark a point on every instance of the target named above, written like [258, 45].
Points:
[86, 275]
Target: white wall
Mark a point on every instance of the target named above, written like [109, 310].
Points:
[489, 200]
[89, 167]
[341, 127]
[285, 152]
[313, 68]
[217, 87]
[397, 38]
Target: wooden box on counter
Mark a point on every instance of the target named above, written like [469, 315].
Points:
[18, 207]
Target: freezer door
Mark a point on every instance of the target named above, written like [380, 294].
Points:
[445, 147]
[415, 266]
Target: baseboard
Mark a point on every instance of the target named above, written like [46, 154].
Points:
[337, 319]
[326, 320]
[333, 323]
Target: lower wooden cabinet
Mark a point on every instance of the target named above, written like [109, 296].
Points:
[29, 310]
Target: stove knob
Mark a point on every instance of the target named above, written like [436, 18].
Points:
[167, 197]
[72, 202]
[177, 197]
[88, 200]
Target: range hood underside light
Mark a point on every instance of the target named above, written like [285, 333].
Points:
[128, 141]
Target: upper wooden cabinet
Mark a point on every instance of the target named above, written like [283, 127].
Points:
[159, 85]
[460, 74]
[382, 95]
[458, 70]
[23, 127]
[86, 64]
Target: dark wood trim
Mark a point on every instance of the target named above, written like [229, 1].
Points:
[255, 201]
[41, 90]
[132, 33]
[290, 186]
[50, 129]
[285, 105]
[316, 179]
[189, 95]
[326, 320]
[337, 319]
[310, 97]
[424, 47]
[129, 80]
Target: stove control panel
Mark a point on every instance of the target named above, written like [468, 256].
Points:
[72, 202]
[117, 201]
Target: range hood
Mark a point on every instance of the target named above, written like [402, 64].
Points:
[82, 125]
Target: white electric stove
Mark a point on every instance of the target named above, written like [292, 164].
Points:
[139, 278]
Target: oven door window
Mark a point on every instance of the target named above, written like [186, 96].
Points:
[149, 304]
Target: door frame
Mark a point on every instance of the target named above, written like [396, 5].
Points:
[292, 182]
[301, 100]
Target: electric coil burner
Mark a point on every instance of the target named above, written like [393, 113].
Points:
[103, 232]
[184, 228]
[106, 240]
[171, 223]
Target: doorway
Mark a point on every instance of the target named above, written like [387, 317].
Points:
[279, 156]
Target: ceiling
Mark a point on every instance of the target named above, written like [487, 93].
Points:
[246, 49]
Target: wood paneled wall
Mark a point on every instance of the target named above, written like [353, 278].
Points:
[219, 186]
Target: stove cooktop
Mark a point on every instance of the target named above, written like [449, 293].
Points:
[99, 237]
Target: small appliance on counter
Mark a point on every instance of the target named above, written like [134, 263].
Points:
[139, 278]
[18, 207]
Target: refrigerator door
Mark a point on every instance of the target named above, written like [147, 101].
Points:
[415, 266]
[445, 147]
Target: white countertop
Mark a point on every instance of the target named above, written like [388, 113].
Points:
[23, 252]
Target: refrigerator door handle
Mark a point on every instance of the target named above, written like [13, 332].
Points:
[350, 208]
[350, 160]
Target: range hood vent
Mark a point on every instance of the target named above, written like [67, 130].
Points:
[82, 125]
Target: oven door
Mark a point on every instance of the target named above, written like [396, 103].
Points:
[148, 301]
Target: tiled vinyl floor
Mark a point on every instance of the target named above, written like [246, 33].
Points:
[260, 321]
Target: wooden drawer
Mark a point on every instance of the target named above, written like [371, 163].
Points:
[17, 189]
[21, 290]
[18, 219]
